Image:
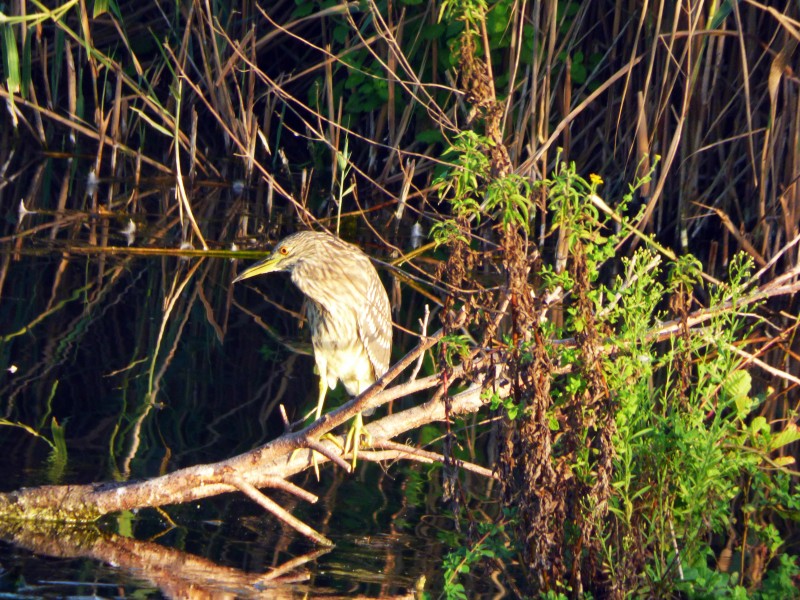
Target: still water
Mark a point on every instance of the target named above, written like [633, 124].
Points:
[226, 547]
[85, 346]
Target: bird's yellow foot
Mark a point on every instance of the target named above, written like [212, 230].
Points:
[314, 463]
[328, 436]
[357, 436]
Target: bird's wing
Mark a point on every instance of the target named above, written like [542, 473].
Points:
[375, 325]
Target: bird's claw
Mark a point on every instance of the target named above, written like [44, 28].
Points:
[356, 437]
[314, 463]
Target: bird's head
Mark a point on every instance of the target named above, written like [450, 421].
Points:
[285, 256]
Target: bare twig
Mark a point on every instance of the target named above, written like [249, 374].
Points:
[423, 333]
[280, 513]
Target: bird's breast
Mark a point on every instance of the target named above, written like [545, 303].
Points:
[337, 343]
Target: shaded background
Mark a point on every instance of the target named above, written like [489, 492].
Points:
[153, 362]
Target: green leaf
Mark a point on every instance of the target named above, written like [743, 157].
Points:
[355, 79]
[303, 10]
[11, 62]
[340, 33]
[759, 426]
[497, 21]
[57, 460]
[433, 32]
[512, 410]
[578, 73]
[430, 136]
[552, 423]
[790, 434]
[100, 7]
[737, 388]
[738, 384]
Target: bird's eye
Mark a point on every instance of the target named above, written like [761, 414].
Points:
[284, 251]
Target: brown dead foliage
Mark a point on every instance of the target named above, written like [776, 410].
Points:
[536, 465]
[536, 477]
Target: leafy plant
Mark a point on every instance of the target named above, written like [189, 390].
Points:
[462, 184]
[492, 545]
[453, 346]
[511, 196]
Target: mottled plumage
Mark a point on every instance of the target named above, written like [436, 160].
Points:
[348, 309]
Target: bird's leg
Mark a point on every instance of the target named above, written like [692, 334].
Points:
[323, 389]
[357, 436]
[317, 412]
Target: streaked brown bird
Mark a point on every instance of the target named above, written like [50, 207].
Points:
[348, 310]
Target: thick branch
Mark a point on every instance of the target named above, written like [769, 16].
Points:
[258, 468]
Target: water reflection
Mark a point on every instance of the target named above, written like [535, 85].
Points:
[224, 548]
[122, 364]
[176, 573]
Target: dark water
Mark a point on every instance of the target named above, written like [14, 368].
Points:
[136, 365]
[226, 545]
[81, 362]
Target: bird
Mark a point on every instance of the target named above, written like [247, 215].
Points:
[348, 311]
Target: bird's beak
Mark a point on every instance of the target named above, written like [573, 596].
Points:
[268, 265]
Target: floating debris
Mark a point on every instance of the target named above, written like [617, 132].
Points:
[237, 187]
[22, 211]
[91, 183]
[129, 232]
[416, 235]
[186, 245]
